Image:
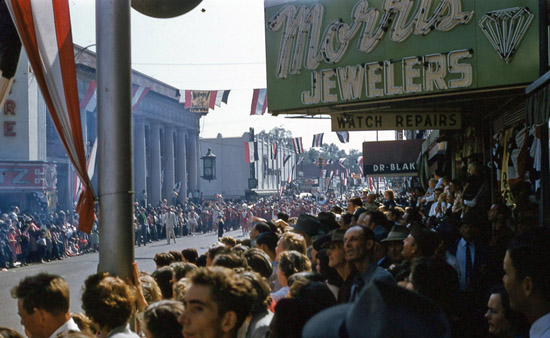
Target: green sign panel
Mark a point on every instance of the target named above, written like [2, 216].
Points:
[331, 53]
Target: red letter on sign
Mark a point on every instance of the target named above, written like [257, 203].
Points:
[9, 107]
[9, 127]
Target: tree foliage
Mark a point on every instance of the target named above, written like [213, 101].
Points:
[326, 151]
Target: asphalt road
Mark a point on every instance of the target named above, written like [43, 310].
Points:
[76, 269]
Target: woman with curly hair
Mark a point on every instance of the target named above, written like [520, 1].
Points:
[290, 262]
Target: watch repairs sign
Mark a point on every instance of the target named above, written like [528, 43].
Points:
[396, 121]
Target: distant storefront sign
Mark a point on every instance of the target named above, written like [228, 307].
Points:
[337, 53]
[391, 158]
[396, 121]
[27, 176]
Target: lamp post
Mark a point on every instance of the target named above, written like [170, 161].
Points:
[209, 166]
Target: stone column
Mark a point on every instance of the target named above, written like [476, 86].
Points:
[169, 165]
[155, 194]
[193, 161]
[140, 180]
[181, 164]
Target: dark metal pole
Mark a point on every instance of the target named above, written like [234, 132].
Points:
[115, 159]
[544, 213]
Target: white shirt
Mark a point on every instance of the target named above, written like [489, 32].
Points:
[541, 327]
[69, 325]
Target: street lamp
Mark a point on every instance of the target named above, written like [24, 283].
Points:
[209, 166]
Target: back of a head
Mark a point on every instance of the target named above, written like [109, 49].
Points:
[182, 269]
[427, 241]
[356, 201]
[107, 301]
[164, 277]
[283, 216]
[291, 262]
[269, 239]
[316, 293]
[294, 241]
[43, 291]
[230, 261]
[263, 299]
[190, 254]
[259, 262]
[150, 289]
[161, 319]
[178, 257]
[163, 259]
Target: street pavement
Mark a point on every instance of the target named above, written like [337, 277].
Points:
[76, 269]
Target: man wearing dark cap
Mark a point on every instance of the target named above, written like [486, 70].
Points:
[308, 226]
[267, 242]
[359, 249]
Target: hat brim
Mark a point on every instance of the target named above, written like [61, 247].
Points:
[328, 323]
[394, 239]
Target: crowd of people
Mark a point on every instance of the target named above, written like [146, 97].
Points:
[435, 263]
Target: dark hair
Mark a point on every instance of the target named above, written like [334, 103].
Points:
[283, 216]
[201, 261]
[164, 277]
[228, 290]
[190, 254]
[178, 256]
[217, 250]
[230, 260]
[268, 238]
[262, 227]
[182, 269]
[107, 300]
[426, 240]
[516, 319]
[305, 275]
[530, 255]
[330, 274]
[356, 201]
[163, 259]
[377, 217]
[291, 262]
[161, 319]
[434, 278]
[259, 261]
[263, 299]
[43, 291]
[347, 218]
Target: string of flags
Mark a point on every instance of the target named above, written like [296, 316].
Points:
[200, 101]
[298, 146]
[89, 101]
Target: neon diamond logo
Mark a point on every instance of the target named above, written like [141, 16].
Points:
[505, 28]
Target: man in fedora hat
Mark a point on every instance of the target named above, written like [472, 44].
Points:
[394, 246]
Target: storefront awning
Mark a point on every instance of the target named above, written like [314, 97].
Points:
[538, 104]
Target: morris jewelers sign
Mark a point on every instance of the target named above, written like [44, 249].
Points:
[328, 53]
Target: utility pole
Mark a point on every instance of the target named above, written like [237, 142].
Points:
[115, 153]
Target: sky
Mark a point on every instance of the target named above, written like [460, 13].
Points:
[218, 45]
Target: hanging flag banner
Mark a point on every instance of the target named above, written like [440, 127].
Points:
[317, 140]
[273, 151]
[138, 93]
[259, 102]
[396, 121]
[391, 158]
[251, 151]
[285, 159]
[199, 101]
[343, 136]
[298, 146]
[89, 101]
